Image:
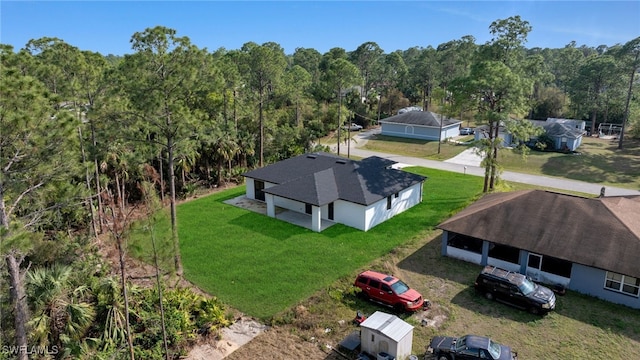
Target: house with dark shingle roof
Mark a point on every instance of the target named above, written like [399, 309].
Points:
[360, 194]
[420, 125]
[590, 245]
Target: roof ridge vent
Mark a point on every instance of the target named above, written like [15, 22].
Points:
[311, 156]
[340, 161]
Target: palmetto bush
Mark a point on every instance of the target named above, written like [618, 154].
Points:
[186, 315]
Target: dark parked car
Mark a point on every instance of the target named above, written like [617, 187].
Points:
[515, 289]
[469, 347]
[466, 131]
[388, 290]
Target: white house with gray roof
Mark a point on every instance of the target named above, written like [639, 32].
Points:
[360, 194]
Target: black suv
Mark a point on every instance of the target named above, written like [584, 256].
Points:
[515, 289]
[468, 347]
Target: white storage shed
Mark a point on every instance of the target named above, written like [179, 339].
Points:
[383, 333]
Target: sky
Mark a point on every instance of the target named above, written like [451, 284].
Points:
[107, 26]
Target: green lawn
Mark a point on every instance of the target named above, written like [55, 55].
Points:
[599, 161]
[263, 266]
[416, 148]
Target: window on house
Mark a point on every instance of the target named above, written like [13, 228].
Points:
[556, 266]
[389, 202]
[396, 195]
[622, 283]
[504, 252]
[465, 243]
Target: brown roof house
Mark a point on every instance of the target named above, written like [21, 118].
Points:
[590, 245]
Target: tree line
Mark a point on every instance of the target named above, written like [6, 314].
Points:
[86, 139]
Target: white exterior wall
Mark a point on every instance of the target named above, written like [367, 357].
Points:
[451, 131]
[400, 350]
[404, 346]
[251, 189]
[349, 214]
[377, 213]
[465, 255]
[289, 204]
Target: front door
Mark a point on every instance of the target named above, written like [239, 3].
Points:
[330, 211]
[533, 266]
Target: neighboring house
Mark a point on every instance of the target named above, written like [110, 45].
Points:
[482, 132]
[383, 333]
[360, 194]
[589, 245]
[566, 134]
[423, 125]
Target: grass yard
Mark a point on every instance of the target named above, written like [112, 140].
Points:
[263, 266]
[415, 147]
[300, 281]
[599, 160]
[581, 327]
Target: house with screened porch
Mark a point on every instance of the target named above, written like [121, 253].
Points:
[589, 245]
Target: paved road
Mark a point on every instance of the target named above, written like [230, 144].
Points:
[468, 162]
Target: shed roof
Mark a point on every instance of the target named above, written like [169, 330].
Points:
[321, 178]
[597, 232]
[420, 118]
[389, 325]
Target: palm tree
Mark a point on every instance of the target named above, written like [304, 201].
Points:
[61, 316]
[226, 149]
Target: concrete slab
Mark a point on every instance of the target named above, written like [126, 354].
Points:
[295, 218]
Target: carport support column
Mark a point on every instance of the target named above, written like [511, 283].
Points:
[485, 253]
[316, 219]
[524, 260]
[445, 241]
[271, 207]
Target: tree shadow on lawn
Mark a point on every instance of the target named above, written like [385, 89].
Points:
[614, 166]
[439, 270]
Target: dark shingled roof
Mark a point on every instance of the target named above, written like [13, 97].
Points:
[422, 118]
[321, 178]
[597, 232]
